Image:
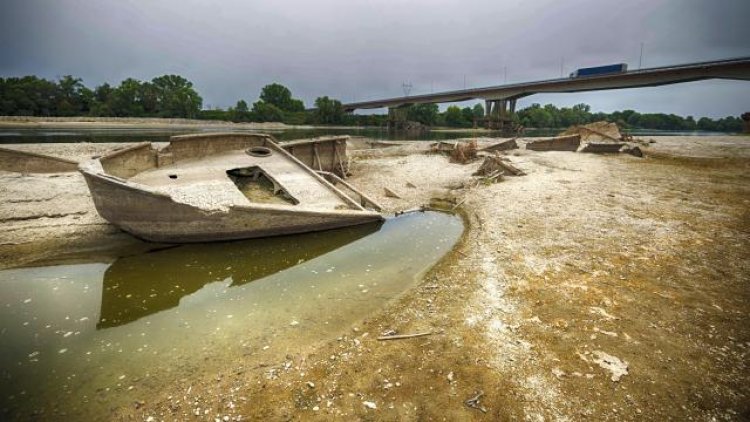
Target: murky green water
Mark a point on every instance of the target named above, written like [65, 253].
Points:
[82, 339]
[11, 136]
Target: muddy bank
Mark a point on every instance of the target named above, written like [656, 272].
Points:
[588, 269]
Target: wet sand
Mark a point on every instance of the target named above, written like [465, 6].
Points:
[587, 267]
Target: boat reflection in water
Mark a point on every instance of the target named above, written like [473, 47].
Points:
[140, 285]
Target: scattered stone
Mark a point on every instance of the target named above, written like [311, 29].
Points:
[558, 373]
[450, 377]
[613, 364]
[370, 404]
[311, 384]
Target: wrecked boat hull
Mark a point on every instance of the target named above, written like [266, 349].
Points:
[131, 209]
[153, 215]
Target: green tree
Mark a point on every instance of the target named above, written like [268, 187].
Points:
[126, 99]
[281, 97]
[426, 114]
[454, 116]
[265, 112]
[240, 112]
[478, 111]
[102, 104]
[328, 111]
[468, 114]
[73, 98]
[174, 96]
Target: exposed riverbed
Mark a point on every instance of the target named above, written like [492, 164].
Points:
[589, 268]
[83, 338]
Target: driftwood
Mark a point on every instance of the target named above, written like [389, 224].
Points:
[464, 152]
[404, 336]
[410, 210]
[473, 402]
[494, 163]
[391, 194]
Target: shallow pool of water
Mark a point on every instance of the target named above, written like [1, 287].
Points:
[82, 339]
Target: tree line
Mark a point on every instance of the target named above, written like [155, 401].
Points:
[163, 96]
[550, 116]
[173, 96]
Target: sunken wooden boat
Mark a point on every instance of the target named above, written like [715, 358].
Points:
[213, 187]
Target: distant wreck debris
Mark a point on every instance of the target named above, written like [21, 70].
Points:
[603, 148]
[597, 138]
[459, 152]
[561, 143]
[502, 146]
[596, 132]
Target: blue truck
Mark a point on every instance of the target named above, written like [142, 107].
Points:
[600, 70]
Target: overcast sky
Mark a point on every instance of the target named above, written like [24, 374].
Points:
[358, 50]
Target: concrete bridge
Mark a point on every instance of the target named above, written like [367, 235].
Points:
[500, 101]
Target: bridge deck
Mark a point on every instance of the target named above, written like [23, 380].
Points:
[738, 68]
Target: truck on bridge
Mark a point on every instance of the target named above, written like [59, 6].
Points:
[600, 70]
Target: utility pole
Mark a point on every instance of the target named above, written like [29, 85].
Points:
[464, 81]
[407, 88]
[640, 60]
[505, 74]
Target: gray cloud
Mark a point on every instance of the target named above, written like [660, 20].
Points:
[357, 50]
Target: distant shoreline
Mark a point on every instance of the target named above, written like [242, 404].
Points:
[34, 122]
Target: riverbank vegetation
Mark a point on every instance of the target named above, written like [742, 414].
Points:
[173, 96]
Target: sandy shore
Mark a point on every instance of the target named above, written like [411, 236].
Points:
[599, 287]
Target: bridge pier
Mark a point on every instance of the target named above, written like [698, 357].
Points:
[396, 118]
[498, 115]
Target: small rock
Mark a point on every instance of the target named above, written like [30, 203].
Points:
[370, 405]
[311, 384]
[613, 364]
[450, 376]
